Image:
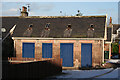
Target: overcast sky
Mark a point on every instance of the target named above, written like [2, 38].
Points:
[67, 8]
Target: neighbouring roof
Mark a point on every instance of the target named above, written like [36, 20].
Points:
[109, 33]
[58, 25]
[115, 28]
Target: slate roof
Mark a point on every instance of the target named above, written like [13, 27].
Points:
[115, 28]
[58, 25]
[8, 23]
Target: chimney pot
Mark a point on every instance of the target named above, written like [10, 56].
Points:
[24, 8]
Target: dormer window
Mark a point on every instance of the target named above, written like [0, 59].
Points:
[68, 31]
[118, 33]
[90, 32]
[29, 30]
[46, 31]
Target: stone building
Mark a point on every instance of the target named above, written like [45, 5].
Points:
[78, 40]
[76, 50]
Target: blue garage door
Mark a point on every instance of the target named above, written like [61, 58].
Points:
[66, 53]
[28, 50]
[47, 50]
[86, 54]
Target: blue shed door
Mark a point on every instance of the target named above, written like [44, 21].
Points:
[66, 53]
[28, 50]
[86, 55]
[47, 50]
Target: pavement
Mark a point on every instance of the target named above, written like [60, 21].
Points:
[113, 61]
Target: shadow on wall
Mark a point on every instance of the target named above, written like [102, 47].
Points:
[7, 48]
[32, 70]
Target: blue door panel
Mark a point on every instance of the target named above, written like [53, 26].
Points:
[28, 50]
[47, 50]
[66, 53]
[86, 54]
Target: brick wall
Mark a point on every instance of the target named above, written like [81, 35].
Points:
[97, 49]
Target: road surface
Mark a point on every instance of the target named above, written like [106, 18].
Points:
[102, 74]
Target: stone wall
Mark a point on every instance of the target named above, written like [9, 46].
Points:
[31, 70]
[97, 49]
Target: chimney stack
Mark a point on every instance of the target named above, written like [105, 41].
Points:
[24, 12]
[110, 23]
[110, 20]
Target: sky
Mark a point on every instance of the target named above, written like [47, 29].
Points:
[67, 8]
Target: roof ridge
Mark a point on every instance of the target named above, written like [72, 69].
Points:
[55, 16]
[62, 16]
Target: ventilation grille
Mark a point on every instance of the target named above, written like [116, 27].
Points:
[68, 31]
[90, 32]
[29, 31]
[46, 31]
